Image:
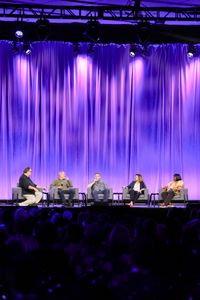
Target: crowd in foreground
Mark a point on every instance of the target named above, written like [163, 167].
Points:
[60, 254]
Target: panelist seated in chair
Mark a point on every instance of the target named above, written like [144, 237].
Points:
[172, 189]
[30, 191]
[136, 188]
[99, 187]
[64, 186]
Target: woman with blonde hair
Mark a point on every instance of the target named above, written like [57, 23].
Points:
[136, 188]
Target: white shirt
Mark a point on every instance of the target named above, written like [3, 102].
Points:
[137, 187]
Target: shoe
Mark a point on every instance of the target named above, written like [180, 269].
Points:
[170, 205]
[163, 205]
[131, 204]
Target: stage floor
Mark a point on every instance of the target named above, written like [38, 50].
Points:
[9, 203]
[114, 205]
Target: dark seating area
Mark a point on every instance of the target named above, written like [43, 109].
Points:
[99, 253]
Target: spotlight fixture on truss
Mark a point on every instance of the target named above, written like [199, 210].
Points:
[191, 50]
[27, 48]
[133, 50]
[144, 29]
[139, 50]
[19, 33]
[92, 31]
[43, 29]
[136, 49]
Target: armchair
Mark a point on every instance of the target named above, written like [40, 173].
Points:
[101, 196]
[143, 198]
[55, 197]
[17, 195]
[180, 198]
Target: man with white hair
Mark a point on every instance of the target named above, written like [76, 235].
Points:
[64, 186]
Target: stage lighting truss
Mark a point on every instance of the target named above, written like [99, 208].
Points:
[113, 13]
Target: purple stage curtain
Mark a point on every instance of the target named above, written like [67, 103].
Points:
[103, 112]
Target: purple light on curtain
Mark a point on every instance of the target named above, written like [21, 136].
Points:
[106, 112]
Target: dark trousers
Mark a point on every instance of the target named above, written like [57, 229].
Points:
[167, 196]
[95, 194]
[62, 193]
[134, 195]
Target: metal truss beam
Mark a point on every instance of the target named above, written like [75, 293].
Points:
[107, 13]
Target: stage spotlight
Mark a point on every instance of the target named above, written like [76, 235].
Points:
[132, 53]
[27, 48]
[144, 30]
[19, 34]
[92, 30]
[133, 50]
[191, 50]
[43, 29]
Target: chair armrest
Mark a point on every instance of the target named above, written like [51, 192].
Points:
[76, 195]
[89, 193]
[53, 193]
[184, 194]
[17, 193]
[146, 194]
[125, 192]
[110, 197]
